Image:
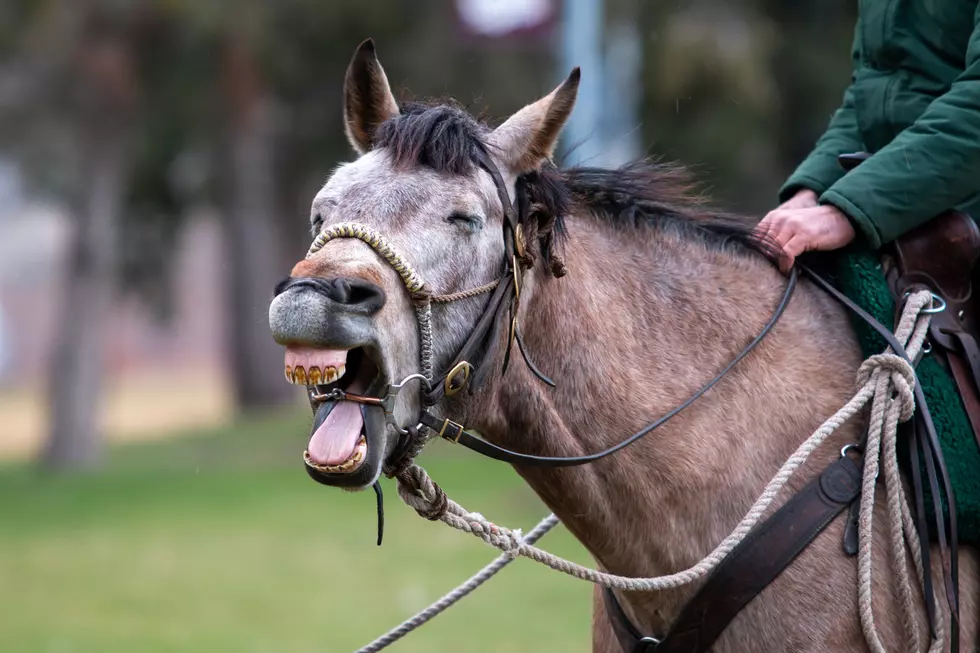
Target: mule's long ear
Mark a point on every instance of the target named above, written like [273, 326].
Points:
[529, 136]
[368, 101]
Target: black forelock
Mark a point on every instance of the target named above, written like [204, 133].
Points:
[442, 137]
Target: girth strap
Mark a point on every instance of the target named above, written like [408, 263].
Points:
[750, 567]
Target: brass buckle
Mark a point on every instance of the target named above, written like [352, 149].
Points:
[513, 332]
[517, 278]
[445, 425]
[448, 386]
[519, 241]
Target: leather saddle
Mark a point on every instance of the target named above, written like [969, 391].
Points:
[940, 256]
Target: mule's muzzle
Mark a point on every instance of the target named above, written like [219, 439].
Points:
[335, 313]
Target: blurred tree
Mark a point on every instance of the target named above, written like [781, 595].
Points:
[104, 106]
[811, 66]
[739, 90]
[73, 95]
[252, 225]
[99, 102]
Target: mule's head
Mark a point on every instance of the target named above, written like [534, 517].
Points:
[346, 313]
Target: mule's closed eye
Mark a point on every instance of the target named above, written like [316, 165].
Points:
[316, 223]
[321, 208]
[466, 221]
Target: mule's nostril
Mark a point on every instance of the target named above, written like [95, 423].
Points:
[339, 291]
[357, 294]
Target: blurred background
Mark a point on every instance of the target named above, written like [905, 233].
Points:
[157, 162]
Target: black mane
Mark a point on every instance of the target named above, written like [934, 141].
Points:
[445, 138]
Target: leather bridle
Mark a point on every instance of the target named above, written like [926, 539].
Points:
[473, 361]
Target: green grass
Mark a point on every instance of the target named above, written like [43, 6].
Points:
[220, 542]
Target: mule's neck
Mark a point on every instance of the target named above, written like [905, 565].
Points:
[642, 320]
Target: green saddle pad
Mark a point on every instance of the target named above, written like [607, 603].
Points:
[858, 274]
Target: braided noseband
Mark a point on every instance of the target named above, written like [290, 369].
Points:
[378, 243]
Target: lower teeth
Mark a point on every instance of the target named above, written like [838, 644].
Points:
[346, 466]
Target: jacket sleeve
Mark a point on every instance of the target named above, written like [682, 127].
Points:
[820, 170]
[931, 166]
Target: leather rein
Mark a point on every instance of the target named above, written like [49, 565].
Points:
[472, 363]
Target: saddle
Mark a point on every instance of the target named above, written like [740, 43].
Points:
[941, 256]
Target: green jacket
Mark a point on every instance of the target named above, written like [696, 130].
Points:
[914, 101]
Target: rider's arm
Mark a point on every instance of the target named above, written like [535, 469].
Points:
[931, 166]
[820, 170]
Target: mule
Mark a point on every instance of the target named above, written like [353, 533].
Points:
[635, 293]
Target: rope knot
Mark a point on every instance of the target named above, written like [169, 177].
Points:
[422, 493]
[901, 375]
[502, 538]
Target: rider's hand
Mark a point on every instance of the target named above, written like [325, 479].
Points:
[801, 224]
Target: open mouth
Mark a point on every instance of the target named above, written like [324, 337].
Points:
[344, 432]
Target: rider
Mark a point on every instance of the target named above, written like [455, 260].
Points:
[914, 102]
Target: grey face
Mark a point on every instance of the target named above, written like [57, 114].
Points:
[346, 304]
[345, 315]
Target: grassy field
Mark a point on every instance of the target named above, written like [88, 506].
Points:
[220, 542]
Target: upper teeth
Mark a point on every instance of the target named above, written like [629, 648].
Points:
[314, 376]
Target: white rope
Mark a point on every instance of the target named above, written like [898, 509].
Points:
[418, 491]
[454, 596]
[886, 378]
[893, 402]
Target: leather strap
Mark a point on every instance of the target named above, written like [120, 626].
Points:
[948, 557]
[630, 639]
[915, 471]
[479, 345]
[455, 432]
[482, 343]
[968, 391]
[752, 566]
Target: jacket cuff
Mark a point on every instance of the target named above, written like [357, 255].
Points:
[858, 217]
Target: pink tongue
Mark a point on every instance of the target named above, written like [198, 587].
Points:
[334, 442]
